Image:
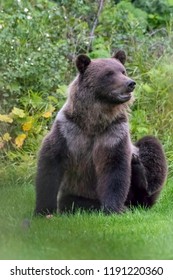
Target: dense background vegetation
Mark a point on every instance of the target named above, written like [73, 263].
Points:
[38, 44]
[39, 40]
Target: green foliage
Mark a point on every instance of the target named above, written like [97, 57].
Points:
[120, 24]
[28, 125]
[158, 11]
[39, 40]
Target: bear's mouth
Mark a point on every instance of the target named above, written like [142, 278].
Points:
[115, 97]
[126, 96]
[121, 97]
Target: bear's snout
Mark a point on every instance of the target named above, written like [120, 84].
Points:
[131, 85]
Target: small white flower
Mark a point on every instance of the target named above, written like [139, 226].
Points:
[1, 26]
[26, 10]
[29, 17]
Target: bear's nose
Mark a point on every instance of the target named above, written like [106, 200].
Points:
[131, 84]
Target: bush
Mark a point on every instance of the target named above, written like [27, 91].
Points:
[39, 40]
[158, 11]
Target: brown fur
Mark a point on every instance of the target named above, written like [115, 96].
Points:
[86, 159]
[89, 113]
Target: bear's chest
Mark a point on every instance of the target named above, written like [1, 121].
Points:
[79, 163]
[79, 177]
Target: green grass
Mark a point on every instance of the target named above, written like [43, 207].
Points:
[134, 235]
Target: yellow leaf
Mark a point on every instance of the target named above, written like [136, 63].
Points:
[18, 112]
[6, 118]
[19, 140]
[6, 137]
[1, 143]
[47, 115]
[27, 126]
[51, 108]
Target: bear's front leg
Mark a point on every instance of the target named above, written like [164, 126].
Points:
[47, 185]
[113, 169]
[48, 179]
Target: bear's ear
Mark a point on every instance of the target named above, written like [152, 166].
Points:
[121, 56]
[82, 62]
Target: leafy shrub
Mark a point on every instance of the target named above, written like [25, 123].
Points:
[28, 124]
[120, 24]
[158, 11]
[39, 40]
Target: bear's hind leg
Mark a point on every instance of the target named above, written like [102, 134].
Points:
[139, 184]
[148, 173]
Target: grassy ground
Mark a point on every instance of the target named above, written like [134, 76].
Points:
[138, 235]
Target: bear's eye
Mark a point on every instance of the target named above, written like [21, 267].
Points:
[109, 73]
[124, 72]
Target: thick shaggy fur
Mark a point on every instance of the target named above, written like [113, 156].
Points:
[148, 173]
[87, 160]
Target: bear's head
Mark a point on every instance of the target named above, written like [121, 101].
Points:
[105, 79]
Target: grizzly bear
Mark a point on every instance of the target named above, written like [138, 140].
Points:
[87, 160]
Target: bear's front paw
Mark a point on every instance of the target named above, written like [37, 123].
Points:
[45, 212]
[112, 210]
